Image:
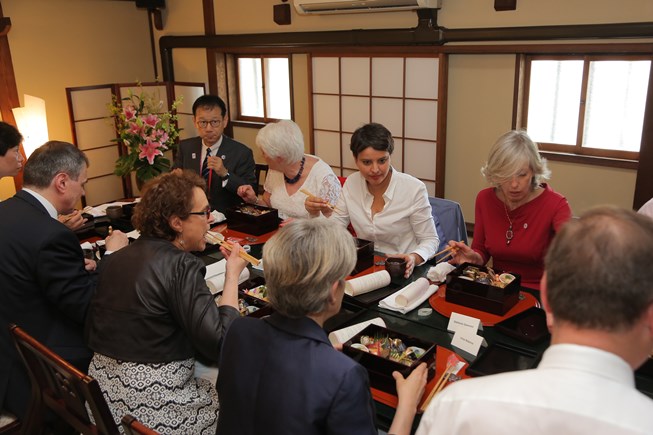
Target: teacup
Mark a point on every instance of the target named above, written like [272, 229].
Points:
[114, 212]
[396, 267]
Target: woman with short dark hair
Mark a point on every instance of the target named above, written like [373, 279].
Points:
[383, 205]
[11, 159]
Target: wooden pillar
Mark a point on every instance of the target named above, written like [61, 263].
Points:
[8, 90]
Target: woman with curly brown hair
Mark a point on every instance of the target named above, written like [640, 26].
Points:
[153, 313]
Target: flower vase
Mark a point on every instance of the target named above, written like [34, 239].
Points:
[137, 184]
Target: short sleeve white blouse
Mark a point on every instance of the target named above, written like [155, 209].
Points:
[321, 181]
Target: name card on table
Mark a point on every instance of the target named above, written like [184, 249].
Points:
[458, 322]
[467, 342]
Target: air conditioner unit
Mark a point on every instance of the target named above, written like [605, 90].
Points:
[305, 7]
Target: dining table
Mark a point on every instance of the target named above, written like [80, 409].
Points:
[428, 322]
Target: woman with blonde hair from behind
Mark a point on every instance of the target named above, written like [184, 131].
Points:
[281, 375]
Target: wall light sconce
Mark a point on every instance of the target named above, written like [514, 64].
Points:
[32, 123]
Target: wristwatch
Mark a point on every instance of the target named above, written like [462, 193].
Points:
[226, 176]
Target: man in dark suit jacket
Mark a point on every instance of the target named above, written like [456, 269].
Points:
[230, 164]
[45, 282]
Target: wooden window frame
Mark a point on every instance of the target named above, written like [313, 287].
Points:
[575, 153]
[247, 119]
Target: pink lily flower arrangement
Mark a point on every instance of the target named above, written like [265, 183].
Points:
[146, 131]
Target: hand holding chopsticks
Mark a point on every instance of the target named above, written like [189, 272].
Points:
[439, 385]
[218, 239]
[450, 250]
[307, 193]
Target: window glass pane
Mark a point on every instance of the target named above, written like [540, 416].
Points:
[250, 83]
[616, 95]
[554, 99]
[277, 87]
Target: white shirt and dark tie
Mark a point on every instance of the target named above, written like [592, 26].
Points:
[206, 153]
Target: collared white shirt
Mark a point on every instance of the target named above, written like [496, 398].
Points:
[47, 204]
[404, 226]
[214, 152]
[575, 390]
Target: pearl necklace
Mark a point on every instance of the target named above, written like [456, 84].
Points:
[296, 178]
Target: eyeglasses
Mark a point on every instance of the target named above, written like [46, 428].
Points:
[214, 123]
[206, 213]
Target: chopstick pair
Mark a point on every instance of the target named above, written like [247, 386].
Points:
[307, 193]
[439, 385]
[214, 239]
[451, 250]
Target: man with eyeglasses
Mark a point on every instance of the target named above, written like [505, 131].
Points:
[224, 163]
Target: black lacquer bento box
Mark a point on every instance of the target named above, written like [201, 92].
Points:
[529, 326]
[252, 219]
[364, 255]
[471, 286]
[379, 367]
[250, 305]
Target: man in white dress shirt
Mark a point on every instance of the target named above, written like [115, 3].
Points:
[598, 295]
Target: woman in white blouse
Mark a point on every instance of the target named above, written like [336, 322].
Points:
[382, 204]
[290, 172]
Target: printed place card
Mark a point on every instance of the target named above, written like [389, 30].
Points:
[459, 322]
[469, 342]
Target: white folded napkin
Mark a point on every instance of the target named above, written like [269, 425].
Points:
[345, 334]
[412, 296]
[215, 274]
[217, 217]
[367, 283]
[439, 273]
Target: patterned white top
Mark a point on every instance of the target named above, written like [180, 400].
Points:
[321, 181]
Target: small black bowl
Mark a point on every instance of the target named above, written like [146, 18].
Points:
[128, 209]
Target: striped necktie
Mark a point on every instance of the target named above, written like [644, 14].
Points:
[205, 165]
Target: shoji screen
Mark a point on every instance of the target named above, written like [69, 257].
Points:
[402, 93]
[93, 131]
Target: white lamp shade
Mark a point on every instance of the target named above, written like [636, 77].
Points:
[32, 123]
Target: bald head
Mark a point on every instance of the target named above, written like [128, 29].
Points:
[599, 272]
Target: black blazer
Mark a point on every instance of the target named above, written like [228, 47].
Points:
[282, 376]
[44, 289]
[236, 157]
